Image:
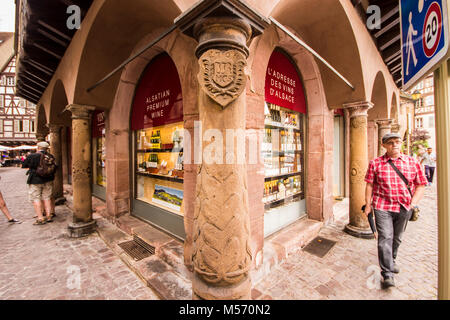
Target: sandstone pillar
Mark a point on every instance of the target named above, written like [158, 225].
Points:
[55, 150]
[82, 223]
[221, 250]
[358, 225]
[395, 127]
[384, 127]
[40, 136]
[64, 162]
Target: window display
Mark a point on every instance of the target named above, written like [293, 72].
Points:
[98, 148]
[283, 156]
[160, 166]
[283, 146]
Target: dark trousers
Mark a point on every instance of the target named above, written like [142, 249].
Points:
[390, 227]
[429, 172]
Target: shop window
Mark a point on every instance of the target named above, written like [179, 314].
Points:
[283, 145]
[158, 130]
[98, 146]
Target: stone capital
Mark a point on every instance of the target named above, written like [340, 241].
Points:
[358, 109]
[384, 123]
[80, 111]
[54, 127]
[395, 127]
[222, 24]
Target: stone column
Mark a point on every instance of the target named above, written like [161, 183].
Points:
[395, 127]
[442, 101]
[358, 226]
[40, 136]
[82, 223]
[55, 150]
[384, 127]
[64, 162]
[221, 249]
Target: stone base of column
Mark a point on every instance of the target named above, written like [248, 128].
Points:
[359, 232]
[81, 229]
[203, 291]
[59, 201]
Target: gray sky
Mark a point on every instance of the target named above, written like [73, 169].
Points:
[7, 15]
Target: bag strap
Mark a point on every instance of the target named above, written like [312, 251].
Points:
[400, 175]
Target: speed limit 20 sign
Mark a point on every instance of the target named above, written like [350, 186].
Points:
[425, 38]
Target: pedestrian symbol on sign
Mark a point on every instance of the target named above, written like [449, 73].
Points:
[424, 36]
[410, 43]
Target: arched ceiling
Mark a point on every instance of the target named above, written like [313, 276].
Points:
[379, 98]
[118, 27]
[324, 26]
[57, 105]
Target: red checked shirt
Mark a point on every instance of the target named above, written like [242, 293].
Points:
[389, 190]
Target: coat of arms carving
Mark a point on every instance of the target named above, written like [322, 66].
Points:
[222, 75]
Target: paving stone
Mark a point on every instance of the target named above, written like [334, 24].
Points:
[351, 271]
[39, 261]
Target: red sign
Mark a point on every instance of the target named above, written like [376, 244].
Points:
[158, 99]
[283, 85]
[98, 124]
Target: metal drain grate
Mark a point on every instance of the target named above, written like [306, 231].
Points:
[144, 244]
[319, 246]
[135, 250]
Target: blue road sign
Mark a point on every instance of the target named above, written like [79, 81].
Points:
[424, 35]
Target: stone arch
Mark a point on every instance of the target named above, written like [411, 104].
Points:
[394, 112]
[181, 49]
[41, 121]
[379, 98]
[318, 141]
[117, 27]
[58, 102]
[327, 28]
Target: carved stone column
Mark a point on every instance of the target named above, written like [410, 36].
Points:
[395, 127]
[82, 223]
[384, 127]
[40, 136]
[64, 162]
[358, 226]
[221, 249]
[55, 150]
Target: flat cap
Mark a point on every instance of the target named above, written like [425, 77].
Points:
[43, 144]
[389, 136]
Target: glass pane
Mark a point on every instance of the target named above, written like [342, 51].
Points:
[283, 157]
[159, 166]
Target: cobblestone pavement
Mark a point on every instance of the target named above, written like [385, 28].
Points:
[350, 269]
[41, 262]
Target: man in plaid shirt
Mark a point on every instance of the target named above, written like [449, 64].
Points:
[392, 203]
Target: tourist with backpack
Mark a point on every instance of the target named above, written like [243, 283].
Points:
[41, 173]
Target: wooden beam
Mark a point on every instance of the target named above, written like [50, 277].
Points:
[53, 38]
[390, 42]
[49, 27]
[41, 65]
[35, 76]
[37, 67]
[22, 75]
[391, 25]
[30, 87]
[37, 45]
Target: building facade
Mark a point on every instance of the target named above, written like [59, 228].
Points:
[17, 115]
[424, 110]
[221, 129]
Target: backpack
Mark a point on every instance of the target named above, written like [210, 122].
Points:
[47, 166]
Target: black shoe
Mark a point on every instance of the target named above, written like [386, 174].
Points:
[396, 269]
[388, 282]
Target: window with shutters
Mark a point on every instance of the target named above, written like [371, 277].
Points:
[16, 126]
[26, 126]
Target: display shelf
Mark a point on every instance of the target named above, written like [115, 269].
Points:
[279, 202]
[158, 176]
[282, 176]
[173, 150]
[280, 126]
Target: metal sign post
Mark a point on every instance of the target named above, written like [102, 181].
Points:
[425, 48]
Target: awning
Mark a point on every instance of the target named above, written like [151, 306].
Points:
[24, 148]
[3, 148]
